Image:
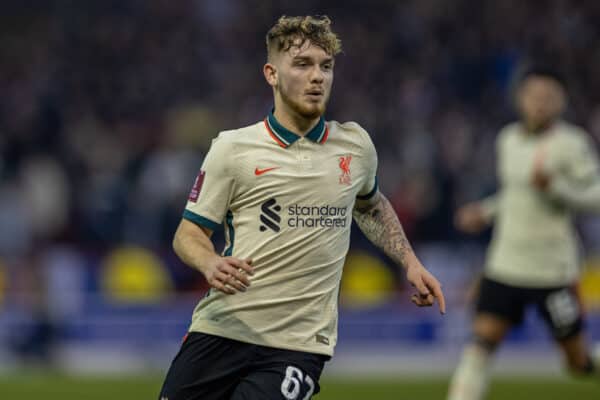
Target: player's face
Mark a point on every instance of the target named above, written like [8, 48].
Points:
[540, 100]
[304, 79]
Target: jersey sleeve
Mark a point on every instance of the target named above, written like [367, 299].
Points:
[582, 161]
[370, 186]
[579, 184]
[209, 198]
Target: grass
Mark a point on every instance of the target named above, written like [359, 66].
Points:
[60, 387]
[435, 389]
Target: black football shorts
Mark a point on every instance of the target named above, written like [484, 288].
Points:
[559, 307]
[211, 367]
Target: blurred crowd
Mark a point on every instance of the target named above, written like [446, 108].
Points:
[107, 107]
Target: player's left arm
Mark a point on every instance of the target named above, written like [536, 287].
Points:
[377, 219]
[579, 186]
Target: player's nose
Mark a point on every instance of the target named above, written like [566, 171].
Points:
[317, 75]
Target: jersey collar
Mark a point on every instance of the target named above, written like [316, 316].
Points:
[286, 138]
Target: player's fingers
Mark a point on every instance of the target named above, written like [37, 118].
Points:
[422, 301]
[538, 174]
[427, 300]
[439, 295]
[435, 288]
[415, 299]
[238, 274]
[231, 281]
[231, 268]
[229, 278]
[235, 283]
[420, 286]
[241, 264]
[220, 286]
[220, 276]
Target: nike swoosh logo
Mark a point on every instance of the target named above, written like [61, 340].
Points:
[258, 171]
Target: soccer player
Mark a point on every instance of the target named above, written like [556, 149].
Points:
[286, 190]
[548, 170]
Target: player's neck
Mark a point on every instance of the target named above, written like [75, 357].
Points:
[539, 129]
[294, 122]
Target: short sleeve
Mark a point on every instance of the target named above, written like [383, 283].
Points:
[370, 185]
[209, 198]
[582, 161]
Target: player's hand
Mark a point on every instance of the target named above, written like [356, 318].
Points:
[470, 218]
[428, 287]
[228, 274]
[540, 179]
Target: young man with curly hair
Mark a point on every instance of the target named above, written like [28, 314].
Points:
[286, 190]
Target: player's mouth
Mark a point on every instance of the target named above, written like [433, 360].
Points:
[314, 95]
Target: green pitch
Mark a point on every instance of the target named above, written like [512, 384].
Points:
[58, 387]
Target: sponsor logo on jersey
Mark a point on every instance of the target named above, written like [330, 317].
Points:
[270, 215]
[345, 178]
[260, 171]
[301, 216]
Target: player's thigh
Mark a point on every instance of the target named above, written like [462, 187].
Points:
[289, 376]
[561, 310]
[206, 368]
[498, 308]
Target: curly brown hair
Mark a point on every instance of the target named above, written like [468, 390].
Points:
[317, 29]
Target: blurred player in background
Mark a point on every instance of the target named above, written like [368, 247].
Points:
[547, 171]
[286, 189]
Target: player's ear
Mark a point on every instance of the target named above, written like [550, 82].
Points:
[270, 72]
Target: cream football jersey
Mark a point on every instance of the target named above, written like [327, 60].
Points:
[285, 201]
[534, 242]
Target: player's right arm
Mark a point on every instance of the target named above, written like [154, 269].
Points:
[476, 216]
[207, 206]
[193, 245]
[472, 218]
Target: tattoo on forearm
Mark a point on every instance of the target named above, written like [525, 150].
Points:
[381, 226]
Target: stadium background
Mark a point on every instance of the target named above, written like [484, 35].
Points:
[107, 108]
